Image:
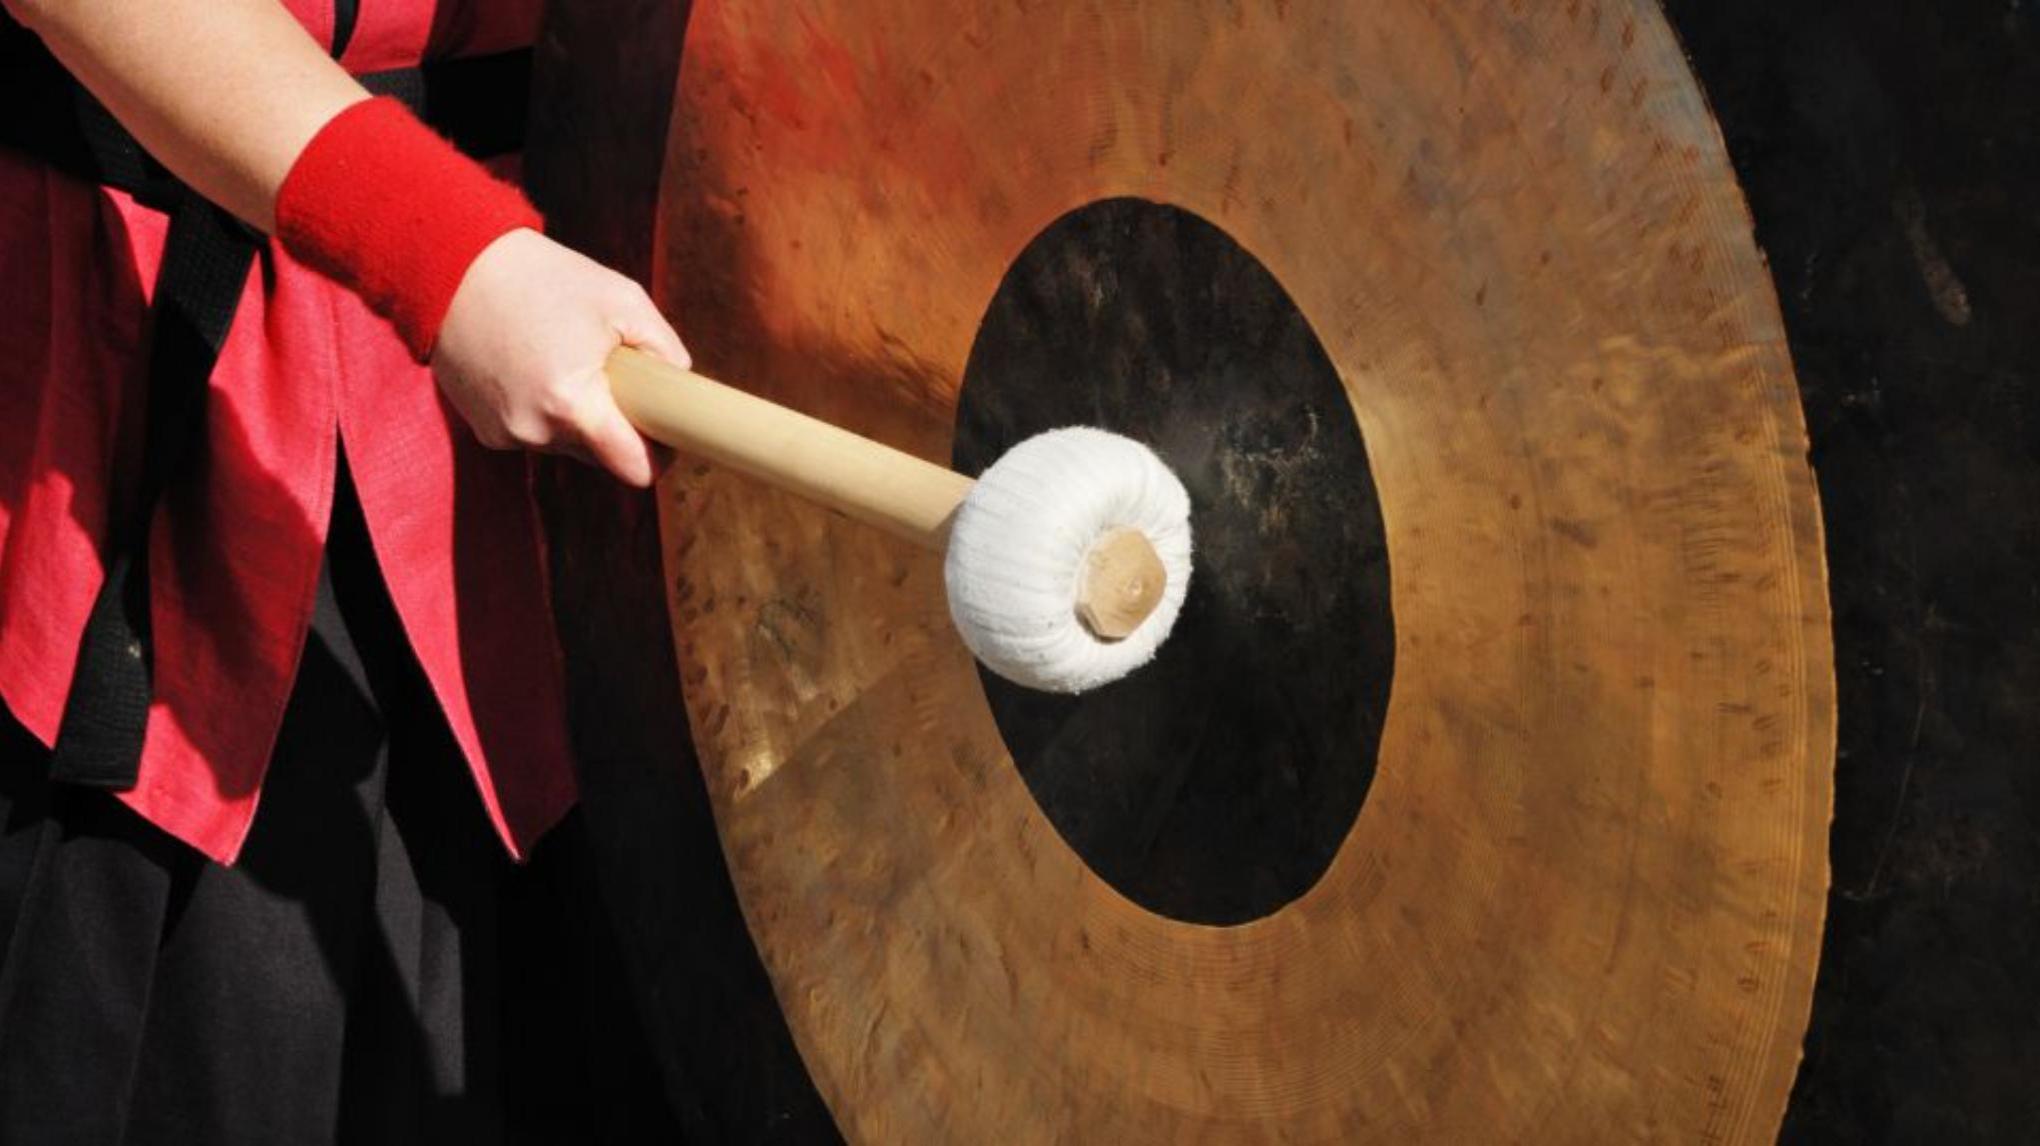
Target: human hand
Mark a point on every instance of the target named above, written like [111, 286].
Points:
[521, 350]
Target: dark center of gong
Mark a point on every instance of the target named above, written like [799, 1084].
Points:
[1216, 784]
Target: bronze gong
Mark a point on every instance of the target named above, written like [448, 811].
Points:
[1582, 899]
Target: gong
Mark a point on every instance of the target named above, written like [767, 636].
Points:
[1557, 866]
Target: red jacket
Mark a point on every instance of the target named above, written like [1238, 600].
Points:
[306, 371]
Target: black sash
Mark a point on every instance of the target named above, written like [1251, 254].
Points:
[478, 103]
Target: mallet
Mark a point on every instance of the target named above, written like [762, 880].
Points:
[1065, 563]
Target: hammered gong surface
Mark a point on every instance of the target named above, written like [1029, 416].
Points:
[1582, 900]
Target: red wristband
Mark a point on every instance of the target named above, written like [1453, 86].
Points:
[381, 204]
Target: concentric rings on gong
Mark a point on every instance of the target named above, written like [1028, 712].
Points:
[1582, 898]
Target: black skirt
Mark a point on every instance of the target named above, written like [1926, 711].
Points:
[340, 983]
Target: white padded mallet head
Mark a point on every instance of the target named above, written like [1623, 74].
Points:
[1024, 542]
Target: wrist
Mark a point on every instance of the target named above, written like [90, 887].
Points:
[381, 204]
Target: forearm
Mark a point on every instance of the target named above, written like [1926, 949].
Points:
[225, 93]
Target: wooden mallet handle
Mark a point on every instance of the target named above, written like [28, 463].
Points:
[830, 466]
[862, 479]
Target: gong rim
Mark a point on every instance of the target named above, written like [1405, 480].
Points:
[1584, 894]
